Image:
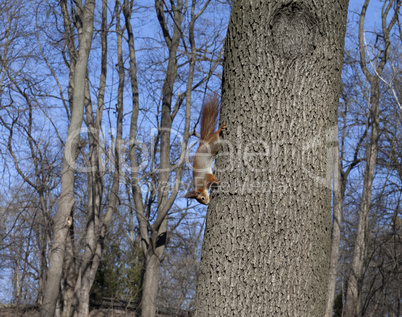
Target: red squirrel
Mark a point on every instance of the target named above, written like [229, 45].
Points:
[207, 150]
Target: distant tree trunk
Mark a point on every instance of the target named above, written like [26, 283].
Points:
[339, 186]
[62, 220]
[153, 244]
[96, 224]
[78, 281]
[352, 304]
[43, 233]
[69, 274]
[150, 285]
[69, 266]
[267, 236]
[139, 207]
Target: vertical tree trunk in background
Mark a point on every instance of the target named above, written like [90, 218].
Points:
[339, 187]
[69, 266]
[352, 304]
[96, 225]
[69, 274]
[138, 205]
[267, 236]
[43, 234]
[62, 221]
[155, 246]
[338, 196]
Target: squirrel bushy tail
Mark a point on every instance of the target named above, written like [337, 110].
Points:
[209, 116]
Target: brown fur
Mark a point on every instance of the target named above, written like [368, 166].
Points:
[209, 147]
[209, 117]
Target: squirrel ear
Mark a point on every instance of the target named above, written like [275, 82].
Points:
[192, 194]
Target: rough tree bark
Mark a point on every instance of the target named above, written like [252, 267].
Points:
[352, 304]
[267, 237]
[62, 220]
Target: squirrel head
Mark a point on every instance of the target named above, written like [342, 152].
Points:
[202, 196]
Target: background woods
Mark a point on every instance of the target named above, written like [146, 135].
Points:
[99, 117]
[95, 126]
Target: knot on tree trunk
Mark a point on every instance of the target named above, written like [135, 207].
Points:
[293, 31]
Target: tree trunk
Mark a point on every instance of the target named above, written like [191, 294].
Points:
[100, 225]
[338, 197]
[267, 236]
[70, 274]
[352, 305]
[42, 243]
[150, 287]
[83, 307]
[154, 246]
[339, 187]
[78, 304]
[88, 267]
[62, 220]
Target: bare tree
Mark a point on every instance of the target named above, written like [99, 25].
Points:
[31, 145]
[352, 306]
[381, 285]
[63, 220]
[346, 159]
[81, 224]
[152, 209]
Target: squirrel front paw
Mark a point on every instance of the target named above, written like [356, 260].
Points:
[214, 185]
